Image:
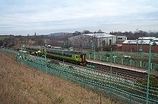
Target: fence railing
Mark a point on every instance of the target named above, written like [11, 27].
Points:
[123, 61]
[114, 87]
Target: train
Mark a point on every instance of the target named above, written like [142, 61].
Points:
[76, 57]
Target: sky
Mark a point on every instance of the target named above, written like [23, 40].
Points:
[22, 17]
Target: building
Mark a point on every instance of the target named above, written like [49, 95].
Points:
[140, 45]
[121, 38]
[119, 41]
[97, 40]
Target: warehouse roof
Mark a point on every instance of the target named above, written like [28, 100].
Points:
[140, 41]
[100, 35]
[146, 38]
[136, 42]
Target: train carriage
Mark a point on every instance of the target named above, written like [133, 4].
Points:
[69, 56]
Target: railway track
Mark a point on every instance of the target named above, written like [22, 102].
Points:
[110, 70]
[97, 80]
[119, 72]
[117, 85]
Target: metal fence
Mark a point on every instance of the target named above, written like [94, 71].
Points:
[123, 61]
[114, 87]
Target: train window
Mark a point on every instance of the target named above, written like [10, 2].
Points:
[76, 56]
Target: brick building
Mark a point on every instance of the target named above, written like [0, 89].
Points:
[141, 44]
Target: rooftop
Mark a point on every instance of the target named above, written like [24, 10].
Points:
[146, 38]
[100, 35]
[141, 40]
[136, 42]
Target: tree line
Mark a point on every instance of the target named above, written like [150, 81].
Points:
[135, 35]
[130, 35]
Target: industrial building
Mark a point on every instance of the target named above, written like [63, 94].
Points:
[140, 45]
[97, 40]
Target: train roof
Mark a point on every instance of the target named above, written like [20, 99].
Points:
[34, 47]
[55, 50]
[65, 51]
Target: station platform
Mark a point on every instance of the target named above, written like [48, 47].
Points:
[118, 65]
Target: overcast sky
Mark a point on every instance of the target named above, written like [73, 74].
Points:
[47, 16]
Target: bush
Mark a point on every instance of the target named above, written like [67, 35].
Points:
[153, 81]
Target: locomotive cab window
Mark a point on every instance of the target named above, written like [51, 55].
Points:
[76, 56]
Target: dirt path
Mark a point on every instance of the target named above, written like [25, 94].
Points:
[21, 84]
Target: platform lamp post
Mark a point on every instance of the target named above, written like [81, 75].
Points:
[111, 71]
[93, 49]
[92, 46]
[63, 48]
[111, 57]
[149, 68]
[45, 54]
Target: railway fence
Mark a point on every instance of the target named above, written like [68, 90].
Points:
[117, 88]
[124, 61]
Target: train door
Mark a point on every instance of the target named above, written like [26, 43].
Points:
[83, 58]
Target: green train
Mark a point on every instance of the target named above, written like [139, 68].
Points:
[69, 56]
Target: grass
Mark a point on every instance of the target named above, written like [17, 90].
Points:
[3, 37]
[21, 84]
